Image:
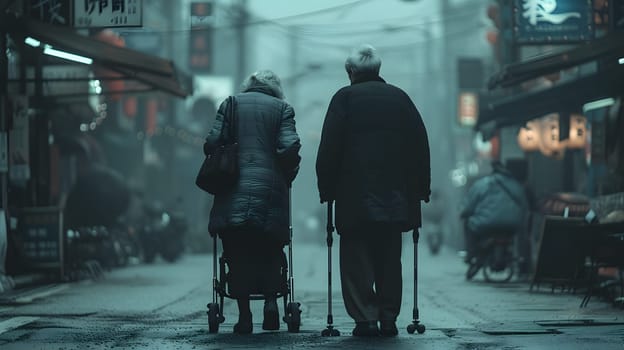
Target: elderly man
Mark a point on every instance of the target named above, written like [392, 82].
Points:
[373, 161]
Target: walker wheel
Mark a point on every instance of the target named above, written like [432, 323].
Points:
[214, 318]
[293, 317]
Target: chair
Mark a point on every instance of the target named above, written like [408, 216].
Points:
[560, 255]
[606, 249]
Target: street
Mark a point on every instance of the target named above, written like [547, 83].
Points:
[162, 306]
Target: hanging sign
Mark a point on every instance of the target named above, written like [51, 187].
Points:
[552, 21]
[108, 13]
[40, 233]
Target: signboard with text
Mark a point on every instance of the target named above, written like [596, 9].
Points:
[108, 13]
[40, 234]
[51, 11]
[552, 21]
[88, 13]
[201, 37]
[468, 108]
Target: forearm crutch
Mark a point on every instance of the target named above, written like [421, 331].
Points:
[330, 331]
[415, 325]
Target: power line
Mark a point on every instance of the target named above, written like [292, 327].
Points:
[315, 12]
[314, 28]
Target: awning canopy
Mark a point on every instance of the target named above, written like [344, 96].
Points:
[154, 72]
[569, 96]
[611, 45]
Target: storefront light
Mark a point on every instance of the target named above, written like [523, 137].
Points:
[32, 42]
[621, 60]
[578, 131]
[605, 102]
[550, 145]
[529, 136]
[49, 50]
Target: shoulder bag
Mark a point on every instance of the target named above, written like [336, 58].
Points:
[219, 171]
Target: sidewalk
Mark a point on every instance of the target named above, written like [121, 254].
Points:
[447, 300]
[163, 306]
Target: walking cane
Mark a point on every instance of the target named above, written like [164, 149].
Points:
[330, 331]
[415, 325]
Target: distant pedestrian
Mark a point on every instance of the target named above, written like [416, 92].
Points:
[373, 161]
[252, 219]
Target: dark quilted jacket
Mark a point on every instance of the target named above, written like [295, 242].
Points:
[269, 161]
[373, 158]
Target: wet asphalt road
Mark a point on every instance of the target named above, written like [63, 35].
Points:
[162, 306]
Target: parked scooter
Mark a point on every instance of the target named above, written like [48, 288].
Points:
[494, 256]
[163, 233]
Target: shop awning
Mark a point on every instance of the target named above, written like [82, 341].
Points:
[568, 96]
[609, 46]
[154, 72]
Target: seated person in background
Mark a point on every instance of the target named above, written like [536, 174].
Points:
[495, 203]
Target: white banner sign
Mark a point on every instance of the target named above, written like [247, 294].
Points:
[108, 13]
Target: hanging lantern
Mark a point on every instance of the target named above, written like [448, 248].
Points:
[578, 131]
[549, 136]
[528, 136]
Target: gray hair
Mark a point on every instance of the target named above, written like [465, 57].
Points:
[364, 59]
[264, 78]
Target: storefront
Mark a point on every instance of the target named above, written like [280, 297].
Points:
[569, 127]
[59, 88]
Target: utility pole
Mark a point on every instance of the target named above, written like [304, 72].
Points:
[4, 82]
[241, 29]
[294, 65]
[4, 77]
[170, 145]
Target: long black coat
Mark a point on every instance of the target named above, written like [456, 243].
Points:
[373, 158]
[269, 160]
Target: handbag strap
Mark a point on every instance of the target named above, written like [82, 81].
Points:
[232, 120]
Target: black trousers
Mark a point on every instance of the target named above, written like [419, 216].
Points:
[371, 275]
[254, 264]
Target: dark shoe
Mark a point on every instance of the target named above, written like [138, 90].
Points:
[271, 317]
[366, 329]
[388, 329]
[244, 325]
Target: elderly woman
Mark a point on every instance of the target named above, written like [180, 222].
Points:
[252, 219]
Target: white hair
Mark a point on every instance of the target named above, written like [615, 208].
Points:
[264, 78]
[363, 59]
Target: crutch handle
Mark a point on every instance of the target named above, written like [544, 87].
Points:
[416, 235]
[330, 223]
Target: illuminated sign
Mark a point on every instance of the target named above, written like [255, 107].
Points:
[468, 108]
[552, 21]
